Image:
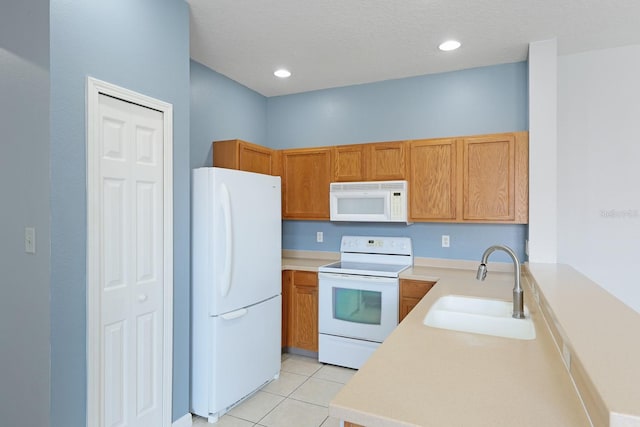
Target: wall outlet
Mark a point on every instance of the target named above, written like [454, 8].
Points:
[445, 241]
[319, 237]
[566, 356]
[30, 240]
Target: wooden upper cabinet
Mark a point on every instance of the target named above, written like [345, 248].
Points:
[495, 175]
[470, 179]
[349, 163]
[378, 161]
[306, 175]
[387, 161]
[243, 155]
[433, 180]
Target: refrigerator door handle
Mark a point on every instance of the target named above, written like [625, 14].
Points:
[226, 209]
[235, 314]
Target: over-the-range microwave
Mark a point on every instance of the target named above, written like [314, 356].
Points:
[373, 201]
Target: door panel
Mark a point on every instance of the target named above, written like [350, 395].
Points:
[146, 363]
[114, 227]
[114, 374]
[131, 241]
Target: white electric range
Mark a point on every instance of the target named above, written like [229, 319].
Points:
[358, 297]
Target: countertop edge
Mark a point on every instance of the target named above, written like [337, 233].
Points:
[597, 377]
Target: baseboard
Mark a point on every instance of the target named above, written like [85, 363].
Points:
[300, 352]
[185, 421]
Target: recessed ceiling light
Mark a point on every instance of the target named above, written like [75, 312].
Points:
[449, 45]
[282, 73]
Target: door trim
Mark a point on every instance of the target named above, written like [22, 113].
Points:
[94, 89]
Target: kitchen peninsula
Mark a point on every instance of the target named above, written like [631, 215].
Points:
[423, 376]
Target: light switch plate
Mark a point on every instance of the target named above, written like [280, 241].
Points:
[30, 240]
[319, 237]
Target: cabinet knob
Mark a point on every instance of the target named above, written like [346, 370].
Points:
[142, 297]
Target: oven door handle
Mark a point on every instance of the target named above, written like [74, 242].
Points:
[357, 278]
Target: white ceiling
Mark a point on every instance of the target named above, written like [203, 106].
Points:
[332, 43]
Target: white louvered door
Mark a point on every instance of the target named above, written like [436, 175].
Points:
[130, 243]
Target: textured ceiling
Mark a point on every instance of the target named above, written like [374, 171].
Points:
[332, 43]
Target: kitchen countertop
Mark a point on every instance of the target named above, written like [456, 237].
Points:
[423, 376]
[307, 260]
[602, 336]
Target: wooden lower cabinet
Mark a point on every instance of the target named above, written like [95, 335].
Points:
[300, 310]
[287, 277]
[348, 424]
[411, 292]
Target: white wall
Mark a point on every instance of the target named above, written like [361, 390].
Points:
[543, 135]
[599, 168]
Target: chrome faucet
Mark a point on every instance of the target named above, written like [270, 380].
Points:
[518, 297]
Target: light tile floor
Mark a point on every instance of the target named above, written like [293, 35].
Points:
[300, 397]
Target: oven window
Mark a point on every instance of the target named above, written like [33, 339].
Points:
[358, 306]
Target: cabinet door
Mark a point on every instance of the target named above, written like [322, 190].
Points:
[242, 155]
[496, 177]
[386, 161]
[433, 180]
[254, 158]
[304, 305]
[349, 163]
[306, 175]
[489, 178]
[411, 292]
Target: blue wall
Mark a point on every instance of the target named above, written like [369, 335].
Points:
[467, 241]
[142, 45]
[468, 102]
[222, 109]
[475, 101]
[24, 188]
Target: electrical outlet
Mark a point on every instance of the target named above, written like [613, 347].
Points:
[319, 237]
[30, 240]
[445, 241]
[566, 356]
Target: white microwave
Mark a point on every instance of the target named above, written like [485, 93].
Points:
[373, 201]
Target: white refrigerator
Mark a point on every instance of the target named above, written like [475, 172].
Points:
[236, 287]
